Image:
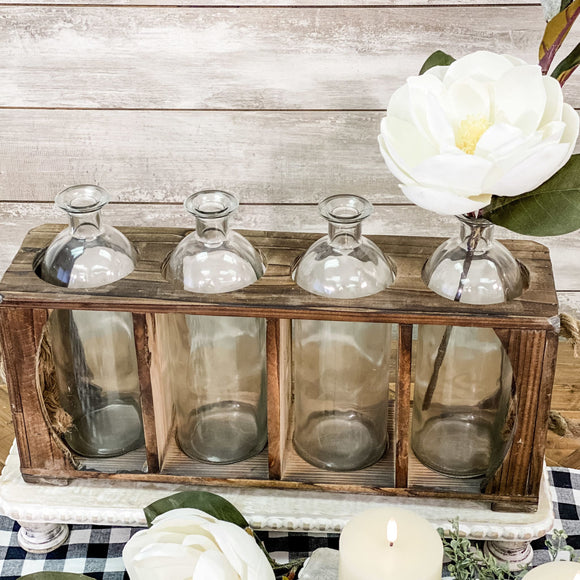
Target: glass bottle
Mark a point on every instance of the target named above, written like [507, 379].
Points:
[463, 410]
[340, 369]
[216, 364]
[94, 352]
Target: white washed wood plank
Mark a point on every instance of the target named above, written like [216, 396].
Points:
[162, 156]
[243, 58]
[264, 3]
[17, 218]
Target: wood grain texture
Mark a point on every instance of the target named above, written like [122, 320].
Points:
[262, 3]
[162, 156]
[408, 300]
[18, 218]
[275, 419]
[526, 350]
[403, 405]
[21, 332]
[243, 58]
[141, 333]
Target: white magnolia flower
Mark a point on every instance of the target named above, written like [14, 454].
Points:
[188, 544]
[486, 125]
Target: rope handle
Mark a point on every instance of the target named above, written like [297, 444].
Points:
[570, 329]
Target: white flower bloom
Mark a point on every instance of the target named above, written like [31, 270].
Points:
[486, 125]
[188, 544]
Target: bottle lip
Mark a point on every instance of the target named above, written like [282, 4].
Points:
[473, 221]
[80, 199]
[211, 204]
[345, 209]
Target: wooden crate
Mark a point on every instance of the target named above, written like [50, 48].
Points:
[528, 328]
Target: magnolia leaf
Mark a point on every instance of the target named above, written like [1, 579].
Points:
[54, 576]
[556, 31]
[552, 209]
[565, 69]
[210, 503]
[565, 4]
[438, 58]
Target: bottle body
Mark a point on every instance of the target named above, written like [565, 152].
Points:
[96, 370]
[218, 380]
[464, 406]
[341, 379]
[93, 352]
[465, 427]
[340, 368]
[216, 364]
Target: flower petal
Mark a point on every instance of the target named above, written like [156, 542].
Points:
[180, 513]
[391, 163]
[481, 65]
[405, 144]
[533, 170]
[163, 561]
[214, 566]
[572, 120]
[242, 551]
[554, 101]
[520, 98]
[457, 172]
[467, 98]
[442, 201]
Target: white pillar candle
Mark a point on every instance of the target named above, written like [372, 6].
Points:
[368, 552]
[555, 571]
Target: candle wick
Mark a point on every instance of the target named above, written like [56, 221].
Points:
[391, 544]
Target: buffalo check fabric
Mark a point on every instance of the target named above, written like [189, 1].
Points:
[96, 551]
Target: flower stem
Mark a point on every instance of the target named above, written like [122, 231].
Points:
[472, 242]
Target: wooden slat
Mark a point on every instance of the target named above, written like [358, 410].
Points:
[263, 3]
[18, 218]
[408, 300]
[161, 387]
[519, 503]
[21, 332]
[263, 157]
[526, 352]
[548, 369]
[403, 405]
[275, 438]
[141, 333]
[243, 58]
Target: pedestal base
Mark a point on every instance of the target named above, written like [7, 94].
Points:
[515, 554]
[42, 538]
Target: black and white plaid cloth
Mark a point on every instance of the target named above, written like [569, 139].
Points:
[96, 550]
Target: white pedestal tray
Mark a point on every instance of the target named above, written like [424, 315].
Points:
[44, 511]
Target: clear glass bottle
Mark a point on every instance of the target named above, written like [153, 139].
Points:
[341, 369]
[463, 410]
[94, 352]
[216, 364]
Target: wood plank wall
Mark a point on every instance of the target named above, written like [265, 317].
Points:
[277, 101]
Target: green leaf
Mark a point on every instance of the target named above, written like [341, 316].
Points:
[438, 58]
[552, 209]
[210, 503]
[565, 4]
[54, 576]
[565, 69]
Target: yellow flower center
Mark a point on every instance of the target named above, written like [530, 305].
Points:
[469, 133]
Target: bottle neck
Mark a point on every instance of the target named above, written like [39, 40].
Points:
[476, 234]
[212, 231]
[344, 236]
[85, 226]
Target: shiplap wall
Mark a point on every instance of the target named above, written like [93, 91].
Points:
[277, 102]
